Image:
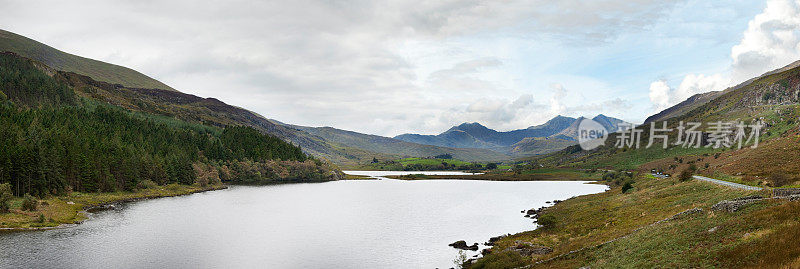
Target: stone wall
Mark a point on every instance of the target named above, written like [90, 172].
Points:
[786, 192]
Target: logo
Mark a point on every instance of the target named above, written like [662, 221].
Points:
[591, 134]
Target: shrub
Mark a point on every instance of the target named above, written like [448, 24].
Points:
[41, 218]
[173, 187]
[461, 259]
[627, 186]
[491, 166]
[547, 221]
[502, 259]
[686, 175]
[147, 184]
[766, 96]
[779, 179]
[5, 197]
[29, 203]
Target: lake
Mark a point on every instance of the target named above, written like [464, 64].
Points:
[344, 224]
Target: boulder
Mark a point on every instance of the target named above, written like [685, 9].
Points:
[493, 240]
[461, 244]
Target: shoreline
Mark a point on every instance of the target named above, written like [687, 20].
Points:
[84, 212]
[73, 209]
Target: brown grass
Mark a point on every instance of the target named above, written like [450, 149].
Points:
[768, 248]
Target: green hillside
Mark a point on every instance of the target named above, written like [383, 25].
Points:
[63, 61]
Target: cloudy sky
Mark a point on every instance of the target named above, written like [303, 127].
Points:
[392, 67]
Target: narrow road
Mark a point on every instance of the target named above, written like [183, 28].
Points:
[729, 184]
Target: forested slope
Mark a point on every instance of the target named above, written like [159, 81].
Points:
[53, 140]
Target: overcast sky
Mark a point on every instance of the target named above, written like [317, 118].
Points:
[392, 67]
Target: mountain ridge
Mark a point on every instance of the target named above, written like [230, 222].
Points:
[475, 135]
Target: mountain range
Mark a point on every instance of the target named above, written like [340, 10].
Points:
[559, 129]
[130, 89]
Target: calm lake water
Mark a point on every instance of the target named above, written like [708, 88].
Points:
[344, 224]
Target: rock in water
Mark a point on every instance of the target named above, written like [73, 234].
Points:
[461, 244]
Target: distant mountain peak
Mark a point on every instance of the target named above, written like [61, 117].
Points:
[470, 127]
[471, 124]
[560, 118]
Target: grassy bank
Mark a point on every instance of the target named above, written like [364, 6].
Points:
[67, 209]
[560, 174]
[357, 177]
[419, 164]
[759, 235]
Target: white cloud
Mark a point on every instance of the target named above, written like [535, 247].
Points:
[693, 84]
[467, 67]
[502, 114]
[337, 63]
[771, 41]
[663, 96]
[557, 106]
[660, 94]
